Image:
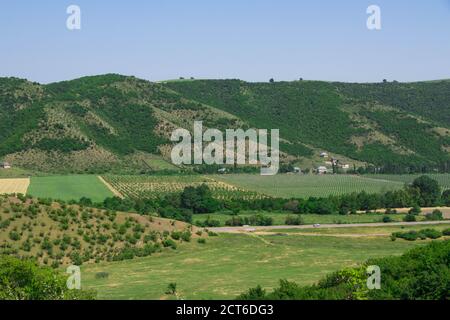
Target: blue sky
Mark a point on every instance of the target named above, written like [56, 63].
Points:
[252, 40]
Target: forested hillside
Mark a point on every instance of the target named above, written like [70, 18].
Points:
[117, 123]
[386, 124]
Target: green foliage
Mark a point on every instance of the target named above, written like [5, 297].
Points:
[436, 215]
[429, 191]
[294, 220]
[422, 234]
[410, 218]
[312, 112]
[24, 280]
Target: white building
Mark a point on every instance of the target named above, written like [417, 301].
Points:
[322, 170]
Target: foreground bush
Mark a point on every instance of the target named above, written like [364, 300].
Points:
[422, 273]
[24, 280]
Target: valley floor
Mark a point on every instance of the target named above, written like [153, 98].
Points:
[229, 264]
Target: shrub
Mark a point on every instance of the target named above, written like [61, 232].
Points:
[236, 222]
[201, 240]
[436, 215]
[176, 235]
[15, 236]
[294, 220]
[24, 280]
[260, 220]
[415, 210]
[186, 236]
[387, 219]
[446, 232]
[431, 233]
[169, 243]
[409, 217]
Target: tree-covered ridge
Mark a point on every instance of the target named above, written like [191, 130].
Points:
[392, 117]
[400, 126]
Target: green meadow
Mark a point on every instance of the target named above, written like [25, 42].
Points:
[279, 218]
[69, 187]
[229, 264]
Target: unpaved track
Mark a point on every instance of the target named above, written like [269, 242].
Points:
[323, 226]
[110, 187]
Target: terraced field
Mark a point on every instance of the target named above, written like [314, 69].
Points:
[288, 186]
[151, 187]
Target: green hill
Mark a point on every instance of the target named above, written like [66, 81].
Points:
[116, 123]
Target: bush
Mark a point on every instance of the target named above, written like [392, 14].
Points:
[294, 220]
[24, 280]
[176, 235]
[387, 219]
[236, 222]
[415, 210]
[446, 232]
[436, 215]
[409, 217]
[169, 243]
[186, 236]
[260, 220]
[201, 240]
[431, 233]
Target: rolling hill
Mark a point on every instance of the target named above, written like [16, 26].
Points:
[114, 123]
[58, 234]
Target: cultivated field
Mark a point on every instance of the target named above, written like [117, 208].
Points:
[69, 188]
[157, 186]
[11, 186]
[288, 186]
[229, 264]
[443, 178]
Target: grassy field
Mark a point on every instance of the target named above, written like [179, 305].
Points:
[288, 186]
[231, 263]
[69, 187]
[280, 217]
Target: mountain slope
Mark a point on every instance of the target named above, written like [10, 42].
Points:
[117, 123]
[378, 123]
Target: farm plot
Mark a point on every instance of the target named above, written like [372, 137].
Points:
[69, 188]
[303, 186]
[10, 186]
[151, 187]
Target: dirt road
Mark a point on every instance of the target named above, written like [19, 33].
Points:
[323, 226]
